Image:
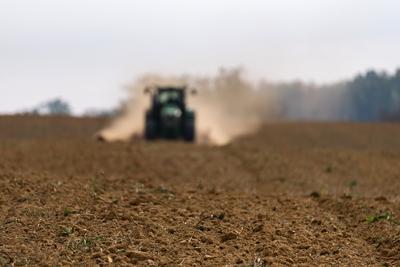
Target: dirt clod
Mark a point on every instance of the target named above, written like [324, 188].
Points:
[138, 255]
[228, 236]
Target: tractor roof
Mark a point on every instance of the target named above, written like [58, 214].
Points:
[171, 88]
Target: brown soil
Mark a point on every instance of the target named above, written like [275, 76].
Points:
[292, 194]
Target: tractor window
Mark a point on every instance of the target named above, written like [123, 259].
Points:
[165, 97]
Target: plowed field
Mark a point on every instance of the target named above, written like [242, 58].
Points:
[293, 194]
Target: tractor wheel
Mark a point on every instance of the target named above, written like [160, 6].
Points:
[150, 127]
[189, 134]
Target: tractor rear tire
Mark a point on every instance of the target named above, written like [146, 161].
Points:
[150, 128]
[189, 134]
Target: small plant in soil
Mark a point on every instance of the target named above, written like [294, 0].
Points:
[329, 169]
[67, 211]
[85, 243]
[165, 192]
[65, 231]
[378, 217]
[353, 184]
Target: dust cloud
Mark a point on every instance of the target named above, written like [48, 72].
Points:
[226, 106]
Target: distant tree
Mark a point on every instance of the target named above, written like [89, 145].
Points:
[371, 96]
[52, 107]
[57, 107]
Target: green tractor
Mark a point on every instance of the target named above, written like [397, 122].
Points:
[169, 117]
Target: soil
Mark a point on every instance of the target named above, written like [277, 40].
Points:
[292, 194]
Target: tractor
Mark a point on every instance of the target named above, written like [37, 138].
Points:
[168, 116]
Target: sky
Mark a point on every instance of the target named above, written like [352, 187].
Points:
[85, 51]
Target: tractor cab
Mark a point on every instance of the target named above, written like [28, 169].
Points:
[169, 96]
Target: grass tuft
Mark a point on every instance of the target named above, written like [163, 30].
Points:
[378, 217]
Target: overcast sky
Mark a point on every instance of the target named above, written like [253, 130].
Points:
[85, 50]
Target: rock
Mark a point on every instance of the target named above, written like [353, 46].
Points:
[315, 194]
[138, 255]
[258, 228]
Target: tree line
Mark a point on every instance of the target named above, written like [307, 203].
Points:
[370, 96]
